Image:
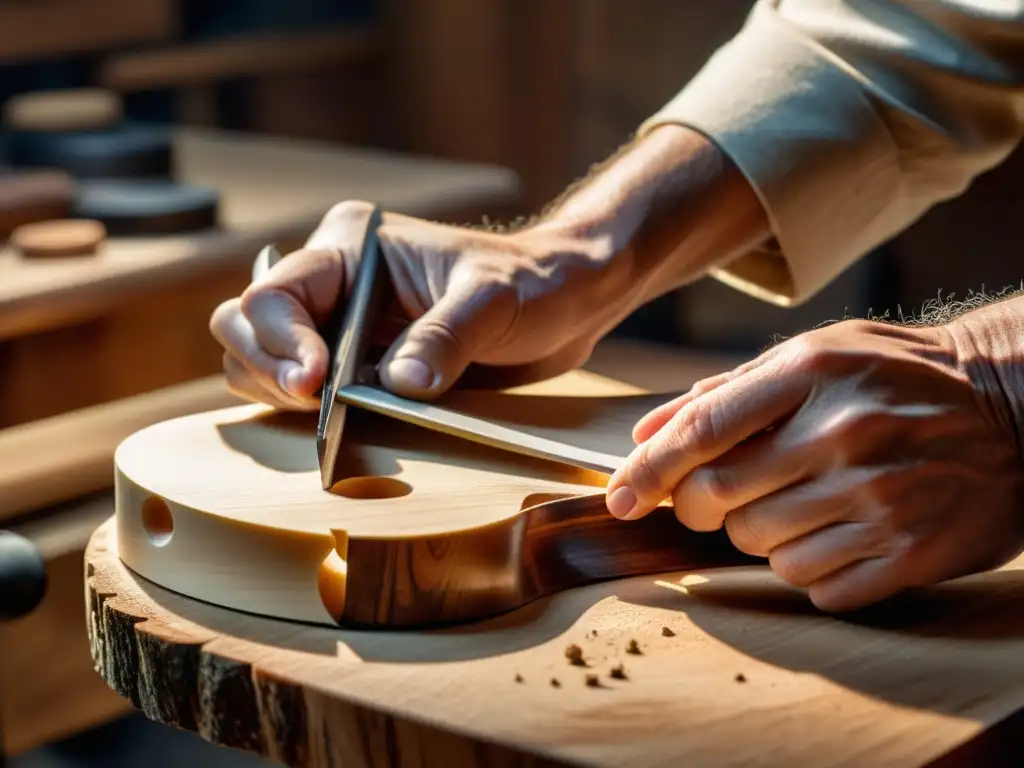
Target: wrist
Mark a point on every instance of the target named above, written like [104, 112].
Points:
[663, 212]
[989, 345]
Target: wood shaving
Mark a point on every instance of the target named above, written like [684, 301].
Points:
[575, 655]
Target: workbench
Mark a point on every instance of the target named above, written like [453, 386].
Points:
[76, 323]
[733, 667]
[94, 348]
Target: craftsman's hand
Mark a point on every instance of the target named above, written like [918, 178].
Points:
[860, 458]
[527, 305]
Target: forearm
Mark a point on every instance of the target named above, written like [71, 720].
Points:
[990, 346]
[671, 205]
[852, 119]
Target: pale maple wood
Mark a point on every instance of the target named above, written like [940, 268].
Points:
[424, 527]
[903, 686]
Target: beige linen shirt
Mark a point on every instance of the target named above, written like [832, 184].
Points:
[851, 118]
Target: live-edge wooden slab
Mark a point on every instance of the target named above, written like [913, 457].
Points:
[748, 674]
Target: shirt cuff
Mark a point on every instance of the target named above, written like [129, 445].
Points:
[803, 131]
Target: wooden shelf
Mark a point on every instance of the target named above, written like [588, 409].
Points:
[43, 29]
[244, 57]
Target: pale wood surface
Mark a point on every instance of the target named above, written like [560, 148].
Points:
[902, 685]
[901, 688]
[423, 528]
[282, 196]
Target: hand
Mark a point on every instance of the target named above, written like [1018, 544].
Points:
[858, 458]
[530, 304]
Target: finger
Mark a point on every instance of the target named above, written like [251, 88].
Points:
[241, 381]
[433, 352]
[857, 585]
[285, 332]
[660, 416]
[813, 557]
[756, 469]
[235, 333]
[760, 526]
[657, 418]
[701, 431]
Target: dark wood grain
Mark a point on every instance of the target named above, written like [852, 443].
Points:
[555, 544]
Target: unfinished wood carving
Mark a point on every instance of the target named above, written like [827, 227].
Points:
[425, 528]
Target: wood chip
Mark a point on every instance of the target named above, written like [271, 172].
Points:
[618, 673]
[82, 109]
[633, 648]
[575, 655]
[666, 632]
[555, 683]
[519, 678]
[593, 681]
[740, 677]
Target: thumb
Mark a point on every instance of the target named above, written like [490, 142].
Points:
[433, 352]
[286, 331]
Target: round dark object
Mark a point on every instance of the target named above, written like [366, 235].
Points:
[22, 576]
[126, 151]
[145, 207]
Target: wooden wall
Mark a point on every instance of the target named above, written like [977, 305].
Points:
[549, 87]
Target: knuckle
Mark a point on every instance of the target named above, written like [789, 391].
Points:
[644, 477]
[789, 566]
[745, 533]
[348, 212]
[440, 332]
[220, 318]
[700, 425]
[252, 298]
[717, 485]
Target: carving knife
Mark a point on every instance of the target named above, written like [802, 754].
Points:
[347, 334]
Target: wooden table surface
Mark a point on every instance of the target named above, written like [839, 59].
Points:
[747, 673]
[86, 326]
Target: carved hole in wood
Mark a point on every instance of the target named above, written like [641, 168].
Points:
[157, 521]
[371, 488]
[333, 575]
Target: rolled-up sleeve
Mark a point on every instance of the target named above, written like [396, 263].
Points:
[851, 119]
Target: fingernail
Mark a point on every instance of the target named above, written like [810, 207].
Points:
[621, 502]
[289, 378]
[411, 372]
